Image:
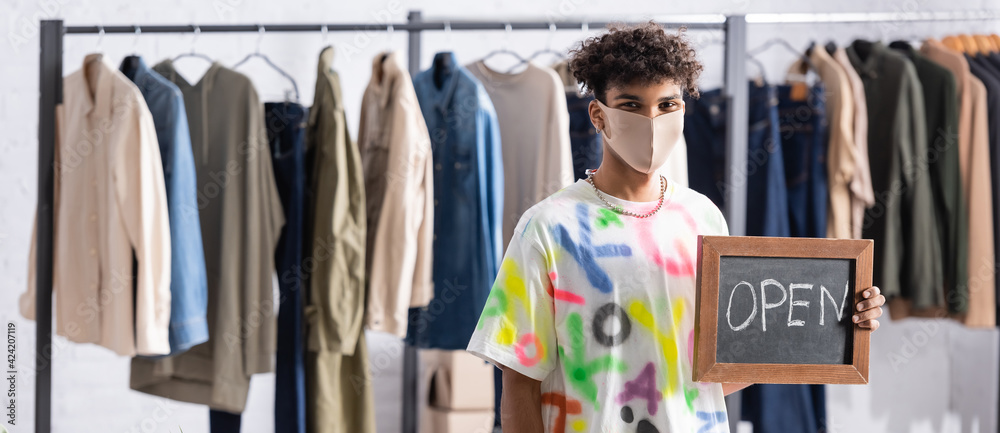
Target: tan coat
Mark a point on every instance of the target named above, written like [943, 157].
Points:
[842, 151]
[399, 186]
[339, 391]
[974, 160]
[862, 193]
[110, 200]
[241, 219]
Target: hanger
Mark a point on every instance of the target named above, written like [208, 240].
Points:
[953, 43]
[779, 41]
[256, 53]
[504, 48]
[388, 39]
[547, 50]
[971, 47]
[132, 60]
[760, 69]
[197, 31]
[100, 37]
[985, 44]
[447, 35]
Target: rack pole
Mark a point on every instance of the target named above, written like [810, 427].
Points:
[411, 358]
[737, 116]
[50, 95]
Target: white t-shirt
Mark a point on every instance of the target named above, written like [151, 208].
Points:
[599, 307]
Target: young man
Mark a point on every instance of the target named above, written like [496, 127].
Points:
[591, 317]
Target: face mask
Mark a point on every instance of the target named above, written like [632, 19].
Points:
[643, 143]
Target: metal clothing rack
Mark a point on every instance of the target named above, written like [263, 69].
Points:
[50, 82]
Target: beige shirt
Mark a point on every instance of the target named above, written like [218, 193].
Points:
[862, 194]
[241, 218]
[110, 200]
[842, 151]
[534, 132]
[974, 163]
[399, 188]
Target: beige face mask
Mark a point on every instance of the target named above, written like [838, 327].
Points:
[643, 143]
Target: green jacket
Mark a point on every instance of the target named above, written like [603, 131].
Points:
[339, 384]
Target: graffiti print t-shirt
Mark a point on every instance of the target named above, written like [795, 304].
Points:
[599, 307]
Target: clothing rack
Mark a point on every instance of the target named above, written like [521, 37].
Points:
[52, 33]
[50, 77]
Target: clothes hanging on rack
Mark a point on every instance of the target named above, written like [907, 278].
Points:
[337, 353]
[534, 130]
[802, 123]
[110, 205]
[704, 123]
[286, 127]
[981, 69]
[841, 150]
[399, 186]
[974, 162]
[241, 219]
[188, 284]
[585, 142]
[941, 114]
[909, 262]
[468, 203]
[862, 192]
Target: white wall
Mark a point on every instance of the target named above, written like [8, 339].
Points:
[91, 385]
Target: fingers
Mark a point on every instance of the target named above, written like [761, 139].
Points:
[871, 292]
[870, 324]
[877, 301]
[866, 315]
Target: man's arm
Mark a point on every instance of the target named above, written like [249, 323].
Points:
[521, 403]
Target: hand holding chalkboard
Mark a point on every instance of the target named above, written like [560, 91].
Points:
[779, 310]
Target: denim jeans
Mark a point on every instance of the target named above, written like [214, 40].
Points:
[784, 408]
[705, 133]
[803, 128]
[286, 135]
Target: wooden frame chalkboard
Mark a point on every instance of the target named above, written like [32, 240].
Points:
[713, 251]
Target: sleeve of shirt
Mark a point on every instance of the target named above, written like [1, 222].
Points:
[923, 274]
[400, 274]
[27, 299]
[142, 198]
[189, 325]
[517, 327]
[489, 136]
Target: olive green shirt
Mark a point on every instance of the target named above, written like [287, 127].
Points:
[338, 384]
[903, 220]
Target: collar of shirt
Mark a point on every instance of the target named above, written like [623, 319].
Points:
[325, 69]
[867, 67]
[96, 85]
[385, 70]
[447, 67]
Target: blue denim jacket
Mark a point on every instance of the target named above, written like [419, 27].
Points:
[188, 281]
[468, 201]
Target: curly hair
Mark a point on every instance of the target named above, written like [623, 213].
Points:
[642, 53]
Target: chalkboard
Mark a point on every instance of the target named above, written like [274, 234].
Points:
[778, 310]
[784, 310]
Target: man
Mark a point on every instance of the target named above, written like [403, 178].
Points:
[591, 317]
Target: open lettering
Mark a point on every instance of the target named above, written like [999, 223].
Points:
[773, 295]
